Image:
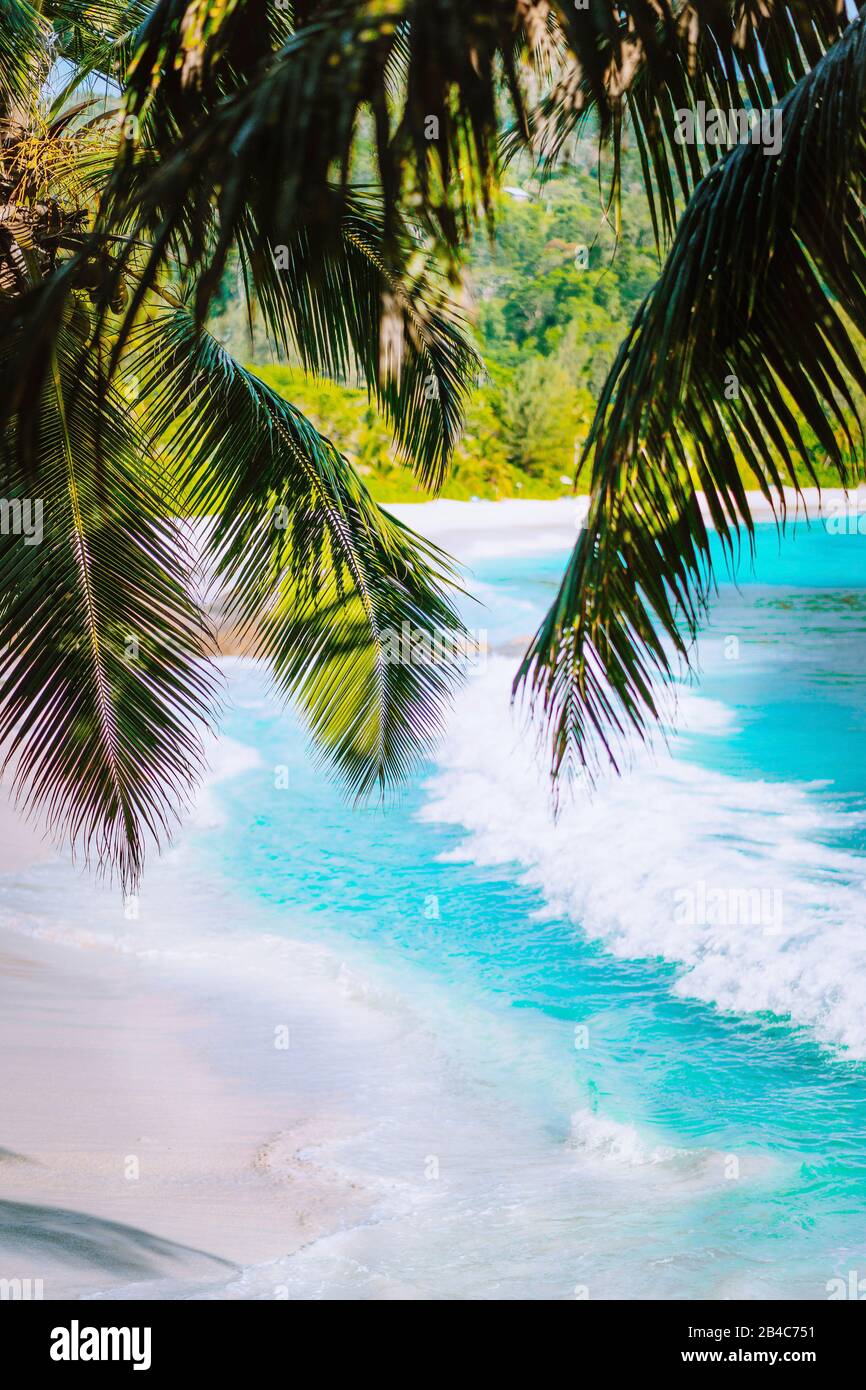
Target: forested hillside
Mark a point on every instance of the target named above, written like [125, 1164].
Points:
[549, 301]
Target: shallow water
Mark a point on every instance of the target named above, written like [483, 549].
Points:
[621, 1056]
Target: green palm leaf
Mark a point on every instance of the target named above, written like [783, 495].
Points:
[631, 74]
[353, 314]
[271, 147]
[93, 36]
[272, 144]
[104, 679]
[764, 287]
[326, 586]
[23, 50]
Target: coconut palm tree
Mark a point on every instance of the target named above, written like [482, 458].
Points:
[240, 127]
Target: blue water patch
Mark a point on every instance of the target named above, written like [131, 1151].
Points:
[783, 1118]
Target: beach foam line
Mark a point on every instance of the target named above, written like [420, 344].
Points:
[226, 758]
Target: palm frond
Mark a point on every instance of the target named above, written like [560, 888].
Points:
[94, 37]
[629, 78]
[436, 75]
[346, 312]
[104, 679]
[23, 53]
[755, 325]
[271, 146]
[355, 315]
[326, 586]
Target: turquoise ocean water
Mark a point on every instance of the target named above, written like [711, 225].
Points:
[625, 1056]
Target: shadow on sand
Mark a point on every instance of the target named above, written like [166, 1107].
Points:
[33, 1233]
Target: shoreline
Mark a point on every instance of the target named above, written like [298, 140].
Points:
[153, 1143]
[518, 527]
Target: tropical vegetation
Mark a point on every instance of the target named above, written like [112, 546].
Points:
[342, 161]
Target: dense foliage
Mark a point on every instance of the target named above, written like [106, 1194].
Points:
[549, 297]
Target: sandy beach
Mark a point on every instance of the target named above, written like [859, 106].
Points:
[150, 1132]
[481, 530]
[142, 1138]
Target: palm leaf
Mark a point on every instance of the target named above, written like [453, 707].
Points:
[324, 584]
[353, 314]
[629, 77]
[272, 146]
[345, 312]
[94, 36]
[104, 681]
[765, 290]
[23, 53]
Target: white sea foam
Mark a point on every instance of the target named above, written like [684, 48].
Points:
[226, 759]
[736, 881]
[600, 1137]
